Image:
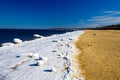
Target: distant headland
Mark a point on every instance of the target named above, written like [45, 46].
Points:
[109, 27]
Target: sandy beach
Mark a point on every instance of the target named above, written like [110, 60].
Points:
[99, 56]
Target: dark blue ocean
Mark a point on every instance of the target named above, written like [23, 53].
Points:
[7, 35]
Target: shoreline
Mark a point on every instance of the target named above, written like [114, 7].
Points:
[75, 72]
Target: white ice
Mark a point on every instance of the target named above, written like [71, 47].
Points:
[16, 65]
[17, 40]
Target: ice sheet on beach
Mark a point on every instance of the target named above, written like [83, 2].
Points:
[56, 49]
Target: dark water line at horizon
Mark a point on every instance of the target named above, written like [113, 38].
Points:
[7, 35]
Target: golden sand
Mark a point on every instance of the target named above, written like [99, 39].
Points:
[100, 54]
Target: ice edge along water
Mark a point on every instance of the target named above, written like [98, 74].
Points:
[56, 48]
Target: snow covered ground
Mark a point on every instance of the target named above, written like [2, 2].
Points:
[16, 62]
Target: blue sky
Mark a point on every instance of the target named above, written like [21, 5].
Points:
[40, 14]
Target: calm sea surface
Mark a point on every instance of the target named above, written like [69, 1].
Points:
[7, 35]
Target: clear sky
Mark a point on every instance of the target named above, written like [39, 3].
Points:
[37, 14]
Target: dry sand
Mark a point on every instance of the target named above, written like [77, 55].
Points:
[100, 54]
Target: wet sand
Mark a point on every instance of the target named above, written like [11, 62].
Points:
[99, 58]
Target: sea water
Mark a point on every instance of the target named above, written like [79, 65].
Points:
[7, 35]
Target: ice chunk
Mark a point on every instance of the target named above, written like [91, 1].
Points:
[53, 69]
[7, 44]
[26, 55]
[35, 56]
[55, 40]
[17, 40]
[44, 58]
[40, 62]
[37, 36]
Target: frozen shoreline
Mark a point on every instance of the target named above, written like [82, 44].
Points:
[56, 48]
